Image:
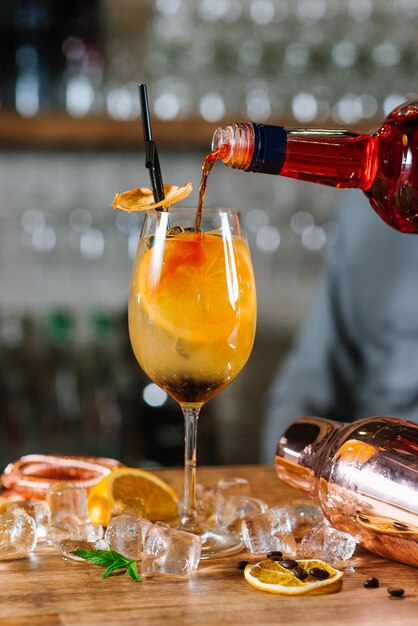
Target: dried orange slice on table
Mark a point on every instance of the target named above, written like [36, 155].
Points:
[272, 577]
[142, 199]
[130, 482]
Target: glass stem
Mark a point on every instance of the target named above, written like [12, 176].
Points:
[188, 513]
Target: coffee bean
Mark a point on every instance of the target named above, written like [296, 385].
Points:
[242, 564]
[278, 559]
[397, 592]
[300, 573]
[400, 526]
[318, 572]
[275, 553]
[371, 583]
[289, 563]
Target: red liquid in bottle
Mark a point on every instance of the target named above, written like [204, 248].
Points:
[384, 164]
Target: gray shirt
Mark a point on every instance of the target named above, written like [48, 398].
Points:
[357, 353]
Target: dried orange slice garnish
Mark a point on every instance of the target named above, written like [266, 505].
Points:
[142, 199]
[272, 577]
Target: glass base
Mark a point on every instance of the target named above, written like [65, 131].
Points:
[217, 543]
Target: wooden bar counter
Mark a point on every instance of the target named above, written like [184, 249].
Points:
[45, 590]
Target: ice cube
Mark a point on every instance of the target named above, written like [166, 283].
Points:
[269, 531]
[205, 502]
[17, 534]
[126, 534]
[57, 533]
[168, 551]
[78, 532]
[227, 487]
[67, 503]
[304, 514]
[234, 510]
[326, 542]
[101, 544]
[86, 532]
[39, 511]
[136, 507]
[67, 546]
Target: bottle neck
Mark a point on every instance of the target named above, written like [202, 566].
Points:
[331, 157]
[234, 145]
[300, 451]
[251, 147]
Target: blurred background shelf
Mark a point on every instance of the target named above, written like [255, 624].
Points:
[101, 132]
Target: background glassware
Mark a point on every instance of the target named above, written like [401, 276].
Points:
[192, 313]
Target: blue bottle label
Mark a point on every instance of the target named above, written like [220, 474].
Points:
[269, 149]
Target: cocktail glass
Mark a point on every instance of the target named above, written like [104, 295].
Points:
[192, 317]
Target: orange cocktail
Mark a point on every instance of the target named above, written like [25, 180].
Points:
[192, 316]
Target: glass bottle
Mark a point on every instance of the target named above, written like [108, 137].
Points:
[384, 163]
[364, 476]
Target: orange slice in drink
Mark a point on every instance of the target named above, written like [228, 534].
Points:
[131, 482]
[142, 199]
[195, 292]
[272, 577]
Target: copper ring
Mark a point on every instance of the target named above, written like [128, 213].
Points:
[32, 475]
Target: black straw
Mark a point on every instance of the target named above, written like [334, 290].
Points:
[152, 162]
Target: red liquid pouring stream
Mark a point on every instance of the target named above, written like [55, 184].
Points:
[208, 162]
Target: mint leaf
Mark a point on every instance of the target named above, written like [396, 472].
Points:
[133, 572]
[112, 568]
[111, 560]
[97, 557]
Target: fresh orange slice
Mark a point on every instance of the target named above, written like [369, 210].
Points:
[142, 199]
[130, 482]
[272, 577]
[197, 292]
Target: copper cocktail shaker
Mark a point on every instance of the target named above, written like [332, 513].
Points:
[364, 476]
